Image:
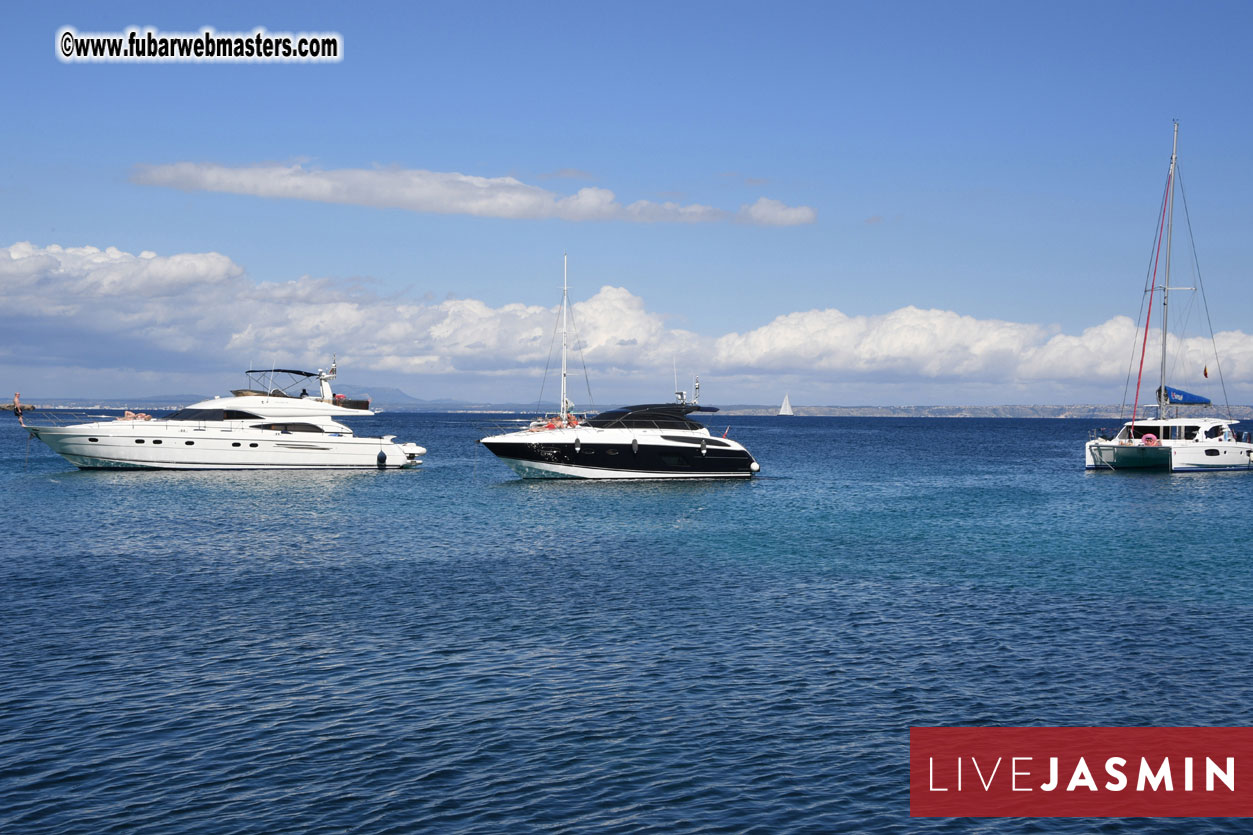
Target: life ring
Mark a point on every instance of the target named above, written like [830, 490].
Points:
[1151, 440]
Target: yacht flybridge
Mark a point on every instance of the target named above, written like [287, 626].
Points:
[273, 423]
[652, 440]
[1172, 443]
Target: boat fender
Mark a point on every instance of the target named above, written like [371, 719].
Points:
[635, 445]
[578, 445]
[382, 460]
[1151, 440]
[702, 448]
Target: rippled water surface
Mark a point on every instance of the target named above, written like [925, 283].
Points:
[454, 649]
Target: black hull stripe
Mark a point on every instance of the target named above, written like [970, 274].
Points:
[649, 459]
[656, 473]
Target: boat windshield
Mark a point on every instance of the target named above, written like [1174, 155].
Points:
[201, 415]
[288, 427]
[644, 418]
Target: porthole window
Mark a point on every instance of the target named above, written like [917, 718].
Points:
[236, 443]
[254, 446]
[94, 440]
[139, 440]
[189, 443]
[156, 442]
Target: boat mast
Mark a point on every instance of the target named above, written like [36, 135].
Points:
[564, 294]
[1170, 225]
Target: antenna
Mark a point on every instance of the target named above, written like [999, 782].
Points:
[1170, 226]
[565, 289]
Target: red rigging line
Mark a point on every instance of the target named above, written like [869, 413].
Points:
[1152, 287]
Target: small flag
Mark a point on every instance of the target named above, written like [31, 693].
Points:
[728, 429]
[1205, 371]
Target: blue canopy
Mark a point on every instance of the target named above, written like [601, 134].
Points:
[1178, 397]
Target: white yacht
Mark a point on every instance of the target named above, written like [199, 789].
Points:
[653, 440]
[785, 410]
[1166, 442]
[268, 425]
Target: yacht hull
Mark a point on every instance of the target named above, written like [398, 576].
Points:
[157, 445]
[618, 454]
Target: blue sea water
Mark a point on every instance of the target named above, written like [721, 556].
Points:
[453, 649]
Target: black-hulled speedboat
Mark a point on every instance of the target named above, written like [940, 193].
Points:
[653, 440]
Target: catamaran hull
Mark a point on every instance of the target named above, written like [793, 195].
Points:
[1191, 457]
[1126, 457]
[1209, 457]
[90, 447]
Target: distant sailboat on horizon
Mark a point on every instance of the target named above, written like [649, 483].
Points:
[786, 408]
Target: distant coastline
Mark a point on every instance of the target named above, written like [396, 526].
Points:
[1078, 410]
[1075, 410]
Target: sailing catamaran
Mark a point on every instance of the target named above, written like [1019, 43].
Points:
[786, 408]
[1176, 444]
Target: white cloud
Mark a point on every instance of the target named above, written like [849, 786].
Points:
[907, 342]
[117, 291]
[768, 212]
[203, 303]
[448, 193]
[80, 306]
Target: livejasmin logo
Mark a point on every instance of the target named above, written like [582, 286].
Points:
[1081, 772]
[1081, 776]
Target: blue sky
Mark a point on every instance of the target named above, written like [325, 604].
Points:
[960, 197]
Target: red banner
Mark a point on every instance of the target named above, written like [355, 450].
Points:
[1080, 772]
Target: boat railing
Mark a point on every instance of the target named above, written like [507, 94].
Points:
[539, 425]
[37, 416]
